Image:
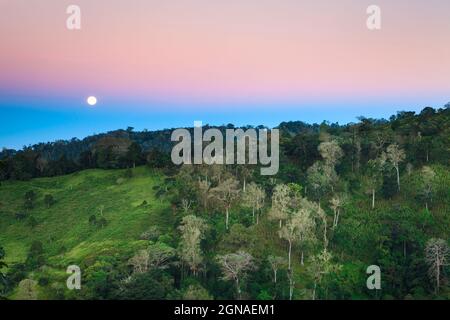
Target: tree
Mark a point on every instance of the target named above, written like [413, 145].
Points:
[29, 198]
[395, 156]
[437, 255]
[281, 201]
[336, 204]
[134, 154]
[27, 290]
[196, 292]
[160, 255]
[321, 178]
[140, 261]
[299, 228]
[244, 173]
[254, 197]
[331, 152]
[290, 275]
[428, 177]
[235, 267]
[320, 266]
[32, 222]
[49, 200]
[3, 280]
[226, 193]
[375, 168]
[276, 263]
[192, 232]
[203, 193]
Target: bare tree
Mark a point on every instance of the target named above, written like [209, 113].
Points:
[192, 232]
[186, 205]
[428, 177]
[281, 200]
[276, 263]
[203, 192]
[336, 204]
[437, 255]
[322, 216]
[140, 261]
[254, 198]
[235, 267]
[320, 266]
[226, 193]
[160, 255]
[290, 275]
[244, 172]
[27, 290]
[298, 228]
[376, 167]
[395, 156]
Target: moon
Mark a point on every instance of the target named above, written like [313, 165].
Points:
[92, 101]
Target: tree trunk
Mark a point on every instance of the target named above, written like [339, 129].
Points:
[275, 276]
[238, 289]
[291, 291]
[243, 188]
[226, 218]
[373, 198]
[438, 274]
[398, 177]
[302, 259]
[253, 215]
[335, 218]
[289, 255]
[314, 291]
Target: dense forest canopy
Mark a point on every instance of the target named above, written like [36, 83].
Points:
[374, 192]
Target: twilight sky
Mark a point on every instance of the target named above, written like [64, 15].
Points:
[165, 63]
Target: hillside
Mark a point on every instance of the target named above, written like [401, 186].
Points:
[373, 194]
[64, 228]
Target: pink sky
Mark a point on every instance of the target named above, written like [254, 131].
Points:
[234, 50]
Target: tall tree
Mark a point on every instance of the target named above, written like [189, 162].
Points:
[235, 267]
[226, 193]
[395, 156]
[428, 181]
[281, 202]
[254, 197]
[192, 232]
[437, 255]
[375, 168]
[298, 228]
[134, 154]
[331, 152]
[336, 204]
[321, 179]
[2, 275]
[276, 263]
[320, 266]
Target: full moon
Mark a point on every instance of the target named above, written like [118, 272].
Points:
[92, 101]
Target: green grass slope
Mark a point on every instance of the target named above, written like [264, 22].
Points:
[64, 228]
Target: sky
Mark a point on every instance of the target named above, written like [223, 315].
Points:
[158, 64]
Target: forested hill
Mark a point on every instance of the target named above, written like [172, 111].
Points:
[424, 135]
[375, 193]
